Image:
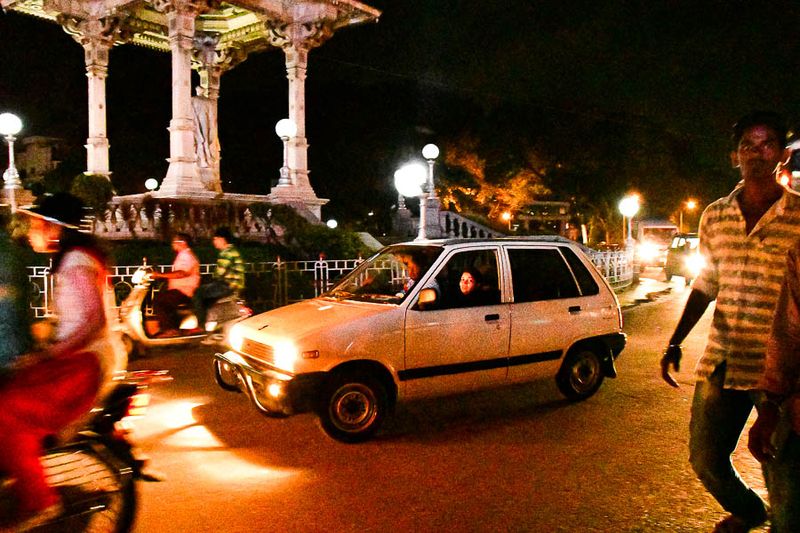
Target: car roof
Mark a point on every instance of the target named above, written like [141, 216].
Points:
[499, 240]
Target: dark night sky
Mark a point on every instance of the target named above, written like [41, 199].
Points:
[375, 93]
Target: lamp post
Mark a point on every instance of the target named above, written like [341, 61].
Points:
[690, 206]
[408, 180]
[151, 184]
[629, 206]
[285, 129]
[10, 125]
[507, 217]
[430, 152]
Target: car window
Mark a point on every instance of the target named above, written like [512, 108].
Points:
[585, 280]
[481, 267]
[540, 274]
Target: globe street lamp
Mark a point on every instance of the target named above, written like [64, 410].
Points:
[10, 125]
[151, 184]
[285, 129]
[430, 152]
[629, 206]
[409, 180]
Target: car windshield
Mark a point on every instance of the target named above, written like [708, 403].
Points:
[388, 276]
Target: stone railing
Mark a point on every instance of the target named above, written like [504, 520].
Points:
[145, 217]
[454, 225]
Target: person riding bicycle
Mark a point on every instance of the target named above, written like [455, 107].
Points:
[55, 387]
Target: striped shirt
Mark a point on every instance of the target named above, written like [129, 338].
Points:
[744, 274]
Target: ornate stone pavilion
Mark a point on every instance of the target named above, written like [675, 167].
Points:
[211, 37]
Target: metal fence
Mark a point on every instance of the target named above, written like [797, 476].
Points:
[277, 283]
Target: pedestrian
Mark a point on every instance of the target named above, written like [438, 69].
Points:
[744, 238]
[182, 282]
[775, 436]
[228, 276]
[58, 385]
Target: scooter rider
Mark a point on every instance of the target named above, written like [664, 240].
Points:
[182, 282]
[228, 275]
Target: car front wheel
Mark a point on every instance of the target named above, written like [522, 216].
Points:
[581, 374]
[353, 408]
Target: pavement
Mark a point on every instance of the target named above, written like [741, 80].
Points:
[649, 289]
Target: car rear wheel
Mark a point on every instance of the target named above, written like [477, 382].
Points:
[354, 407]
[581, 374]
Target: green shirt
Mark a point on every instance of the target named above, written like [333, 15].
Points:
[230, 268]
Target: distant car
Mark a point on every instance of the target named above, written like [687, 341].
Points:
[396, 327]
[683, 257]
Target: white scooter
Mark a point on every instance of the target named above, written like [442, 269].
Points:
[138, 337]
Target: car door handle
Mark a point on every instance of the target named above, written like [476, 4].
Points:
[573, 309]
[491, 317]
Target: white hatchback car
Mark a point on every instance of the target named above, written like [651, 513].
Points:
[398, 326]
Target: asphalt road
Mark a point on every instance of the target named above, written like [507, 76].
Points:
[515, 459]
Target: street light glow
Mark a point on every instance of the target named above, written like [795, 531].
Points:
[286, 128]
[151, 184]
[332, 224]
[629, 205]
[409, 179]
[430, 151]
[10, 124]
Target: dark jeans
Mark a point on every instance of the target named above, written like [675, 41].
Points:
[718, 419]
[165, 306]
[205, 296]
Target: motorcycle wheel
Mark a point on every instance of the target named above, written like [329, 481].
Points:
[97, 490]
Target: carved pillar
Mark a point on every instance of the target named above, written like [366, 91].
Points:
[182, 178]
[96, 36]
[296, 40]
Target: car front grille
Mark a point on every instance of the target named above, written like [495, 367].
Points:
[257, 354]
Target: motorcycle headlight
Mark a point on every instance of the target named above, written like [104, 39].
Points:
[236, 338]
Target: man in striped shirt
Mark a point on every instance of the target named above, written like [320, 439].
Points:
[744, 238]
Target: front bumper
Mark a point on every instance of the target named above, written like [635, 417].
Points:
[273, 392]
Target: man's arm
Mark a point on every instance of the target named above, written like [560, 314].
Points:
[782, 364]
[696, 305]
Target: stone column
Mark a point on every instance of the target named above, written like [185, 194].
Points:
[296, 40]
[182, 179]
[96, 36]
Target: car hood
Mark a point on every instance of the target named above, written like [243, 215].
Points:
[303, 318]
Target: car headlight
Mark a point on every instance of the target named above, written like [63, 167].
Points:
[285, 354]
[236, 338]
[695, 264]
[647, 251]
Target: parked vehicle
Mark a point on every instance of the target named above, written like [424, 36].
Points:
[137, 336]
[683, 257]
[394, 329]
[95, 470]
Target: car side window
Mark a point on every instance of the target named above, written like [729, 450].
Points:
[540, 274]
[585, 280]
[479, 268]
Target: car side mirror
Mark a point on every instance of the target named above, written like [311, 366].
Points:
[428, 299]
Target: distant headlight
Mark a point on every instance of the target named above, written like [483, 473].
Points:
[285, 354]
[695, 264]
[647, 251]
[236, 338]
